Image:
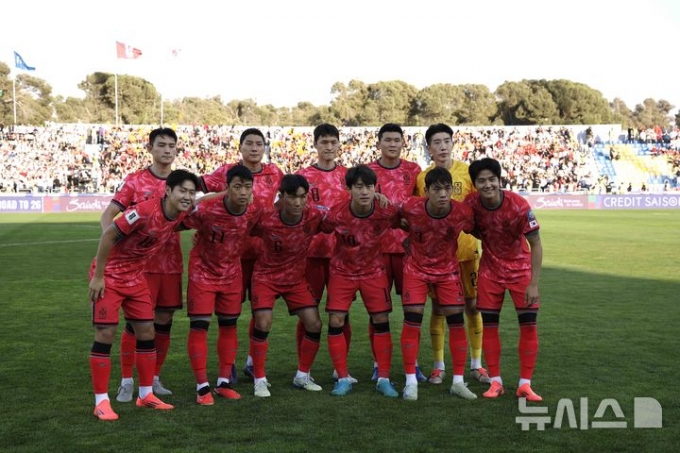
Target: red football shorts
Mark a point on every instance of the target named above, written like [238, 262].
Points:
[134, 300]
[317, 273]
[205, 299]
[297, 296]
[490, 294]
[166, 291]
[448, 290]
[374, 292]
[394, 265]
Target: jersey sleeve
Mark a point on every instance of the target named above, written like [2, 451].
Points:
[215, 181]
[131, 220]
[125, 193]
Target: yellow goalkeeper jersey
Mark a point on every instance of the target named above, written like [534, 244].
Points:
[468, 246]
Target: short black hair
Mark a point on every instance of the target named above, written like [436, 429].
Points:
[487, 163]
[239, 171]
[435, 129]
[177, 177]
[291, 183]
[438, 175]
[390, 127]
[326, 130]
[360, 172]
[251, 131]
[162, 131]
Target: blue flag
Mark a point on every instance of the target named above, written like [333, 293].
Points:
[21, 64]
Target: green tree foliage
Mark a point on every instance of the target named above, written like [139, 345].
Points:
[356, 103]
[578, 103]
[525, 103]
[436, 104]
[651, 113]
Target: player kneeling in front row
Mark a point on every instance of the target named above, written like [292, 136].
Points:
[511, 261]
[434, 224]
[215, 280]
[286, 232]
[117, 281]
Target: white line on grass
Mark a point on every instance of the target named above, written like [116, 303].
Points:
[48, 242]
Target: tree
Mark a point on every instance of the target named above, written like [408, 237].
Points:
[387, 102]
[348, 103]
[525, 103]
[651, 113]
[478, 106]
[578, 103]
[436, 104]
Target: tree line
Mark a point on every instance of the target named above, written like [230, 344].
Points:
[527, 102]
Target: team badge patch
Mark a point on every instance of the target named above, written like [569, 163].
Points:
[132, 216]
[533, 223]
[457, 188]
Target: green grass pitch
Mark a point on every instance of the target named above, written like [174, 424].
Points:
[608, 327]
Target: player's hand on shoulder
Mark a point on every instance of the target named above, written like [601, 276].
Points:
[383, 201]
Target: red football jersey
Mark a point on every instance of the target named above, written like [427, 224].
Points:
[284, 247]
[326, 189]
[222, 236]
[506, 257]
[397, 184]
[266, 183]
[357, 250]
[433, 241]
[141, 186]
[144, 229]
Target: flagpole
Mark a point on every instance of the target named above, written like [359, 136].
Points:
[161, 109]
[14, 99]
[115, 84]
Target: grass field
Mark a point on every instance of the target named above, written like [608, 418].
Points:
[608, 328]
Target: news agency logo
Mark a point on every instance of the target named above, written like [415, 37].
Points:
[647, 413]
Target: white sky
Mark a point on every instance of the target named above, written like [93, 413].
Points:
[282, 52]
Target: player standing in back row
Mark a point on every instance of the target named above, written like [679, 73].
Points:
[439, 139]
[164, 276]
[397, 181]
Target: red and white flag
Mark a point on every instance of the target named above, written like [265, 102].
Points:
[127, 51]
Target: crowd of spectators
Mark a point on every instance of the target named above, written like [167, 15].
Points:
[93, 158]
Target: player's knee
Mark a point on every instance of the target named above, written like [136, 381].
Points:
[162, 328]
[104, 334]
[381, 327]
[144, 331]
[455, 319]
[227, 322]
[379, 319]
[490, 317]
[413, 317]
[199, 324]
[471, 306]
[527, 317]
[163, 317]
